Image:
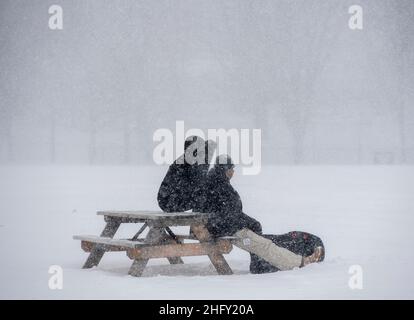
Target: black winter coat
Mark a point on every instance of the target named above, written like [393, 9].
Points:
[180, 185]
[223, 202]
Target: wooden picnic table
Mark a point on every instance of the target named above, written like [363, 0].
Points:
[160, 241]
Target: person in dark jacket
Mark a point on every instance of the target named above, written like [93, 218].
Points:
[185, 177]
[268, 253]
[223, 202]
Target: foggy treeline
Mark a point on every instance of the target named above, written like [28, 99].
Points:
[94, 92]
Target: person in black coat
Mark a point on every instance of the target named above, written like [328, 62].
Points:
[185, 177]
[224, 203]
[268, 253]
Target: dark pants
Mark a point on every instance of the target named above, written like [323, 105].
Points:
[220, 226]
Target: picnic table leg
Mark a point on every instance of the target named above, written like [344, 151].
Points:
[155, 235]
[98, 250]
[217, 259]
[175, 260]
[172, 260]
[137, 267]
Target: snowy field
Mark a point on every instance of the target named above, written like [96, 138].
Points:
[365, 215]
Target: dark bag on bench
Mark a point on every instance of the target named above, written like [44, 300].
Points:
[301, 243]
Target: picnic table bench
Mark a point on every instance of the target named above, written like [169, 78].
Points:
[160, 241]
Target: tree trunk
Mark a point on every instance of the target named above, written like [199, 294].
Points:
[402, 133]
[127, 144]
[298, 145]
[298, 123]
[9, 140]
[53, 137]
[92, 139]
[359, 137]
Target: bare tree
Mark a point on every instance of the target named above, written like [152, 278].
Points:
[312, 29]
[8, 84]
[284, 48]
[401, 37]
[6, 121]
[394, 25]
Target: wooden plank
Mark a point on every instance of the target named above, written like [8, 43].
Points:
[88, 247]
[154, 236]
[98, 250]
[137, 267]
[175, 260]
[173, 240]
[125, 220]
[144, 226]
[88, 242]
[216, 258]
[152, 215]
[109, 241]
[157, 221]
[171, 222]
[160, 222]
[220, 263]
[181, 237]
[180, 250]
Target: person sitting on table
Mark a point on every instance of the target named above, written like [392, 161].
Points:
[181, 185]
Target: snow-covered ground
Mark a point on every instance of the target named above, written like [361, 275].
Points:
[365, 215]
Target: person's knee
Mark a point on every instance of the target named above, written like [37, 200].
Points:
[256, 227]
[165, 205]
[248, 222]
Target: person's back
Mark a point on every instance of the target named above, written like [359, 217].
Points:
[175, 192]
[184, 178]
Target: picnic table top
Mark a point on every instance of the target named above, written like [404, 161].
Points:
[151, 215]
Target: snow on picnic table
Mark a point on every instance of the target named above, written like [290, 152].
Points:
[365, 215]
